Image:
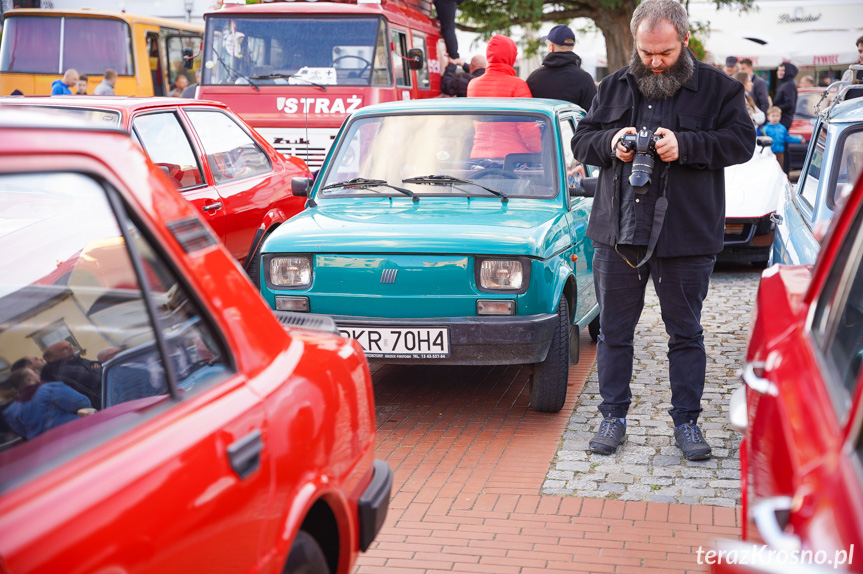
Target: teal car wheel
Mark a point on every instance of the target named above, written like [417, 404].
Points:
[548, 383]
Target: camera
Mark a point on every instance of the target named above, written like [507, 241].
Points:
[644, 144]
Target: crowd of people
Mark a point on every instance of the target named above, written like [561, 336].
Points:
[42, 393]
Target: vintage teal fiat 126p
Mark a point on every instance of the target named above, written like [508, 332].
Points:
[448, 231]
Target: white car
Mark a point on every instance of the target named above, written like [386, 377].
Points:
[752, 194]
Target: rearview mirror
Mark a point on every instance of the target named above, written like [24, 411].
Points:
[415, 55]
[764, 141]
[300, 186]
[188, 58]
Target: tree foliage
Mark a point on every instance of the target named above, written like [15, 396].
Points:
[612, 17]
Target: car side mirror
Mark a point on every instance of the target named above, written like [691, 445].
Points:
[764, 141]
[586, 188]
[300, 186]
[188, 58]
[415, 55]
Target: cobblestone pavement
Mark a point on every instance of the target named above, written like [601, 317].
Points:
[649, 466]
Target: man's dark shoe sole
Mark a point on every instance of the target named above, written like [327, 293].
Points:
[697, 456]
[604, 448]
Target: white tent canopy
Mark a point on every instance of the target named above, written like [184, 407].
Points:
[804, 33]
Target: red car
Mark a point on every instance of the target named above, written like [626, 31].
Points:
[178, 425]
[801, 409]
[238, 181]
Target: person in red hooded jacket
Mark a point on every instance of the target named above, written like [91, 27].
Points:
[497, 139]
[499, 80]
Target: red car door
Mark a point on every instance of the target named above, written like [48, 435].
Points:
[254, 183]
[171, 147]
[172, 472]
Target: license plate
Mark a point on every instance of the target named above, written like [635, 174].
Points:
[404, 342]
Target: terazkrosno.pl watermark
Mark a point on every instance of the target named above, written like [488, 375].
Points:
[756, 554]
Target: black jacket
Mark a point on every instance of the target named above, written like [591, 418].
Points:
[759, 93]
[708, 116]
[456, 85]
[561, 78]
[786, 95]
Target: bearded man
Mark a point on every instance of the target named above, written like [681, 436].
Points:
[668, 225]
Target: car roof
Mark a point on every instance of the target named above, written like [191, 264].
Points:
[485, 105]
[49, 119]
[847, 111]
[125, 104]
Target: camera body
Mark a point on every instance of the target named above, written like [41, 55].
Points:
[644, 145]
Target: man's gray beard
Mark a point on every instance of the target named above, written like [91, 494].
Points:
[658, 86]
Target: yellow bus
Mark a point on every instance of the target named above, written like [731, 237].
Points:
[147, 53]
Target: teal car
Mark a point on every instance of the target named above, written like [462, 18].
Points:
[447, 231]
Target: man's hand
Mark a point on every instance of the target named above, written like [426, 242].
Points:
[618, 150]
[667, 148]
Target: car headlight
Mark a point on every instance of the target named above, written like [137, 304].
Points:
[290, 271]
[501, 274]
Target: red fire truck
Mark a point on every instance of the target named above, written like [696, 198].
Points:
[295, 70]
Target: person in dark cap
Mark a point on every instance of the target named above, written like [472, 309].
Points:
[731, 65]
[560, 77]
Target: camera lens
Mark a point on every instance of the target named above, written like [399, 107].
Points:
[642, 169]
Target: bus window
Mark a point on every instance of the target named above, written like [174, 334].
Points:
[401, 66]
[423, 81]
[381, 75]
[90, 45]
[155, 59]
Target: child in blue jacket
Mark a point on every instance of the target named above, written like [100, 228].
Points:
[779, 134]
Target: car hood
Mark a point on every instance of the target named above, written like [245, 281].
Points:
[753, 189]
[528, 227]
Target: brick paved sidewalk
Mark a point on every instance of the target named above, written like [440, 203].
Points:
[470, 460]
[649, 465]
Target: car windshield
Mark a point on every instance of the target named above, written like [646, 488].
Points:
[497, 155]
[806, 103]
[300, 51]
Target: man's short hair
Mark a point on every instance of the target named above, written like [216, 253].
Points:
[859, 41]
[655, 11]
[110, 74]
[746, 62]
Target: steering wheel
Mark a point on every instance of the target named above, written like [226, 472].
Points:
[364, 68]
[493, 171]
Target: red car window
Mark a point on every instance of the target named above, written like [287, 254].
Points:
[233, 154]
[84, 359]
[166, 144]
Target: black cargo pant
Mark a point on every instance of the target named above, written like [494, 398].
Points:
[681, 284]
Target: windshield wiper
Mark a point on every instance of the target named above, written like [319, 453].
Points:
[233, 71]
[290, 77]
[446, 179]
[363, 182]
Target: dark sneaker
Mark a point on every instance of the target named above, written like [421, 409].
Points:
[611, 433]
[690, 441]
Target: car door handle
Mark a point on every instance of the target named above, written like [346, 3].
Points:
[776, 218]
[245, 454]
[213, 206]
[757, 383]
[768, 525]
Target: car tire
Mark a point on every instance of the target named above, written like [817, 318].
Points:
[550, 377]
[306, 556]
[254, 268]
[593, 329]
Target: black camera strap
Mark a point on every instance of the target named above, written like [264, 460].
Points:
[658, 219]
